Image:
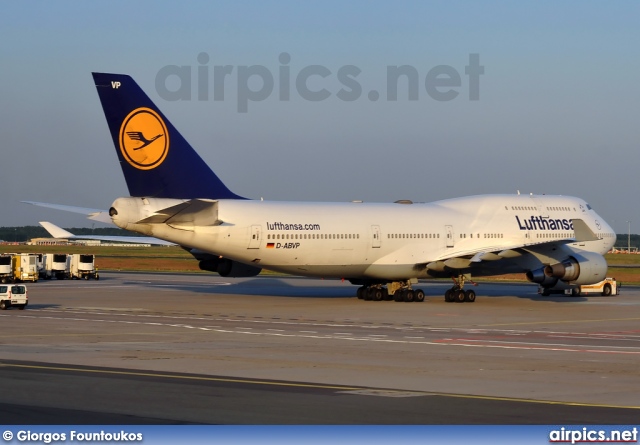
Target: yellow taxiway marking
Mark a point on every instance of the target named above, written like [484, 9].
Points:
[178, 377]
[306, 385]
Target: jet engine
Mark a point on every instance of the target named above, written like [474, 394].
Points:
[580, 268]
[229, 268]
[538, 276]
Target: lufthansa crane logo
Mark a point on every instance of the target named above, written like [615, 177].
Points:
[144, 139]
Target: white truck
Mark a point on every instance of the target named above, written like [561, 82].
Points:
[54, 265]
[6, 272]
[13, 295]
[39, 263]
[82, 265]
[606, 288]
[25, 267]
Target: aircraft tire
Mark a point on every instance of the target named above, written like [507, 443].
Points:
[459, 296]
[419, 295]
[409, 296]
[376, 294]
[448, 296]
[398, 296]
[470, 296]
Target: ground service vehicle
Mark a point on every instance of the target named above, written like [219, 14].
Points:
[13, 295]
[82, 266]
[44, 271]
[57, 265]
[606, 287]
[39, 263]
[6, 273]
[25, 267]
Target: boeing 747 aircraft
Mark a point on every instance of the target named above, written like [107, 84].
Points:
[384, 248]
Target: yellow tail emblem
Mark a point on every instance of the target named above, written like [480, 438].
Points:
[144, 139]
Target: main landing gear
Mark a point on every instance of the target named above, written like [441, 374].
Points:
[458, 294]
[396, 291]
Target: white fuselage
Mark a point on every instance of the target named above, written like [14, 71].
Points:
[385, 241]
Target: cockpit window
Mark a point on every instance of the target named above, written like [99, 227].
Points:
[589, 207]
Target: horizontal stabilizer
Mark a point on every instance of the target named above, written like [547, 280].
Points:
[94, 214]
[195, 212]
[60, 233]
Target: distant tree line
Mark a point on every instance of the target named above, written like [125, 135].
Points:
[22, 234]
[622, 240]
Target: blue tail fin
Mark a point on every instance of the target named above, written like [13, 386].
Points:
[156, 160]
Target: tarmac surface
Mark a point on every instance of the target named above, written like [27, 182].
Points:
[137, 348]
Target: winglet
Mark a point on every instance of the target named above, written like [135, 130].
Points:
[583, 232]
[55, 231]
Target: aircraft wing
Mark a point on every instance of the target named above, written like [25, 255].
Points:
[58, 232]
[93, 214]
[465, 259]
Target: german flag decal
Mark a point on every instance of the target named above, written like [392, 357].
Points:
[270, 245]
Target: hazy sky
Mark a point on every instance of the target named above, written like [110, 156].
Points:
[556, 112]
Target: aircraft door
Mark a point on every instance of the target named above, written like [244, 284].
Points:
[449, 233]
[254, 240]
[375, 237]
